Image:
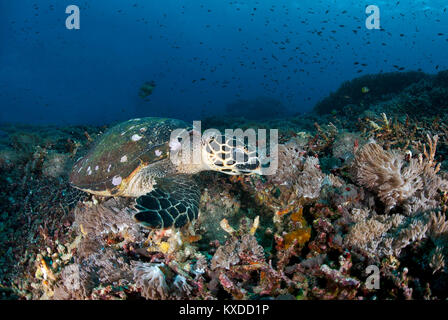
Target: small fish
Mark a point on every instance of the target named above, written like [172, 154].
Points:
[365, 89]
[146, 89]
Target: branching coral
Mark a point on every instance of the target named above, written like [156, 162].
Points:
[233, 263]
[379, 236]
[367, 233]
[238, 251]
[105, 267]
[309, 181]
[112, 216]
[298, 176]
[438, 233]
[324, 138]
[290, 161]
[241, 249]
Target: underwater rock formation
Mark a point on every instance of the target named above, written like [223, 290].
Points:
[379, 85]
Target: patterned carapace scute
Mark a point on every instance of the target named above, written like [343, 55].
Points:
[122, 151]
[173, 202]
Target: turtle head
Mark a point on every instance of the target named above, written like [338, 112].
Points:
[230, 154]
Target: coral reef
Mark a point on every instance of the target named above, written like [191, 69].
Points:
[362, 188]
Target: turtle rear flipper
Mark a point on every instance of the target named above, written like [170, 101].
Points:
[173, 202]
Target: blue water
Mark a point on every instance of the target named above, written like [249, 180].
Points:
[202, 55]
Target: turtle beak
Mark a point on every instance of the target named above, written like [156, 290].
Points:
[252, 167]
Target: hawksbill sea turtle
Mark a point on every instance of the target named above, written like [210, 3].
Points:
[135, 159]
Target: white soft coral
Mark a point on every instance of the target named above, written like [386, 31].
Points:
[181, 287]
[150, 278]
[395, 181]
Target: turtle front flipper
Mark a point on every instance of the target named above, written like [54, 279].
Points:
[173, 202]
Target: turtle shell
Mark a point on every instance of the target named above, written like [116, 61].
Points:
[121, 152]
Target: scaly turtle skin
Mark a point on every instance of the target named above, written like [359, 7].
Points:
[132, 159]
